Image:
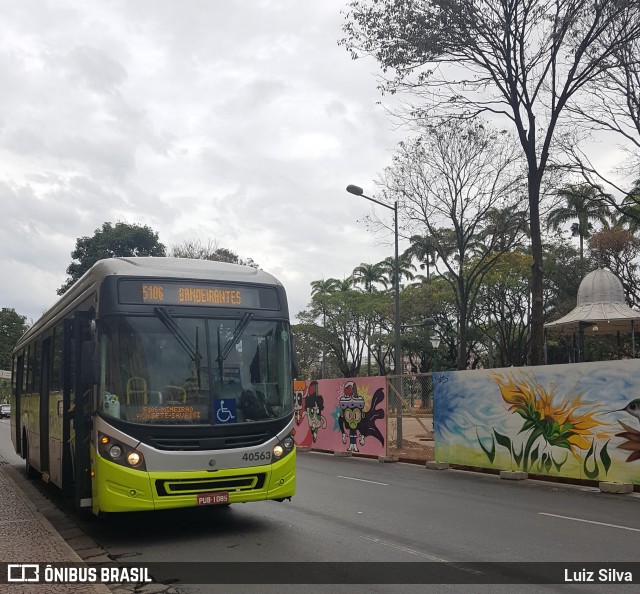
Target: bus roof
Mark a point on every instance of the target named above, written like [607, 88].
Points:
[144, 266]
[180, 268]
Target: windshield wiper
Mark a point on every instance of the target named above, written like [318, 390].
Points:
[240, 328]
[183, 340]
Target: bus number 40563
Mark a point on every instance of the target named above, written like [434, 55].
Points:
[255, 456]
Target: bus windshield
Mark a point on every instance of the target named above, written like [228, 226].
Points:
[170, 370]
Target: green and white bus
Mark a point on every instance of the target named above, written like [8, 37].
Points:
[157, 383]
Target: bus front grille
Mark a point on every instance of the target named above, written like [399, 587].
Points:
[176, 487]
[197, 444]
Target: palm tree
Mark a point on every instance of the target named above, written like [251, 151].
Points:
[320, 288]
[405, 268]
[585, 203]
[423, 249]
[502, 224]
[630, 208]
[368, 274]
[323, 287]
[346, 284]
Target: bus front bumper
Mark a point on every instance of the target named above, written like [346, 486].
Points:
[117, 488]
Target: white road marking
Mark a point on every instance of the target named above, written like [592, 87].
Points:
[590, 522]
[386, 543]
[350, 478]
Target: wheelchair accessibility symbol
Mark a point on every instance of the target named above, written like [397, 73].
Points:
[225, 409]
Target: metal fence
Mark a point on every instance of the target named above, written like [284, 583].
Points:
[410, 417]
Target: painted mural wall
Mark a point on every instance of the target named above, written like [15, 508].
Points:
[346, 414]
[580, 420]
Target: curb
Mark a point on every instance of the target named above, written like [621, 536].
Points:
[9, 474]
[513, 475]
[609, 487]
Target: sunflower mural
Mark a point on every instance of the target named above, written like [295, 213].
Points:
[554, 426]
[575, 420]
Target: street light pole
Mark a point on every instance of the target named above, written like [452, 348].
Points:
[398, 349]
[357, 191]
[435, 343]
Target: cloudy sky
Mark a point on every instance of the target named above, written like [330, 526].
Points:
[240, 122]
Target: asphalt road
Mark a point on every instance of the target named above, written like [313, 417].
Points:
[358, 510]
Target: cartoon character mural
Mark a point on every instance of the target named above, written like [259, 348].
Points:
[341, 412]
[299, 388]
[313, 407]
[355, 422]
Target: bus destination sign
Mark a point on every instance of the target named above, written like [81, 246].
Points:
[154, 292]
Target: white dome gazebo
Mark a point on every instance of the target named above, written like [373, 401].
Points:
[601, 307]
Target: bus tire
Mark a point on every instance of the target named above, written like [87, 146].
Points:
[29, 470]
[86, 515]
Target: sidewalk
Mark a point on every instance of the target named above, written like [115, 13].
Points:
[27, 536]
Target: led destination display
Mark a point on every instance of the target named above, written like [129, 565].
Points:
[151, 292]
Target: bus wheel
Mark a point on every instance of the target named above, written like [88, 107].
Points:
[87, 515]
[29, 470]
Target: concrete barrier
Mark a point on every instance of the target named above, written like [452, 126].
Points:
[606, 487]
[437, 465]
[513, 475]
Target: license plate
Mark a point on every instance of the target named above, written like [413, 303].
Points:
[213, 498]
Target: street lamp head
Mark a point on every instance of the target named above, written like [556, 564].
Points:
[357, 190]
[435, 342]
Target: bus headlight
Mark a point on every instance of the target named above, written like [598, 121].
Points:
[134, 458]
[286, 446]
[119, 453]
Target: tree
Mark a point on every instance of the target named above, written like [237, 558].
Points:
[585, 203]
[563, 275]
[449, 182]
[211, 251]
[629, 210]
[522, 60]
[503, 307]
[562, 279]
[121, 239]
[12, 327]
[319, 289]
[369, 275]
[345, 315]
[423, 251]
[614, 105]
[405, 268]
[309, 352]
[617, 93]
[419, 304]
[321, 286]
